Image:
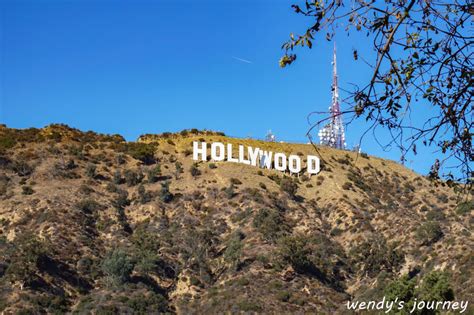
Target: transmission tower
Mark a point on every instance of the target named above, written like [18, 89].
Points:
[270, 137]
[332, 134]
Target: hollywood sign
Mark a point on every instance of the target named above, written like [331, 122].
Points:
[255, 157]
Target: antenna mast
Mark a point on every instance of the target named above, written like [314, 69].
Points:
[333, 134]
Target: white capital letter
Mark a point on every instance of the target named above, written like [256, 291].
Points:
[197, 151]
[313, 164]
[214, 147]
[266, 159]
[292, 160]
[229, 154]
[280, 162]
[242, 156]
[253, 155]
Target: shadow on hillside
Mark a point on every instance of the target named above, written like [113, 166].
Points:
[60, 270]
[149, 282]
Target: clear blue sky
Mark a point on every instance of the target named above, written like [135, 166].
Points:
[134, 67]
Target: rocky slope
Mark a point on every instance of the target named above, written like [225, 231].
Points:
[90, 223]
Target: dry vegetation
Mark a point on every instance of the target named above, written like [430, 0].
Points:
[90, 223]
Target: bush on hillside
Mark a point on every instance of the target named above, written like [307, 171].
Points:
[288, 186]
[194, 170]
[144, 196]
[144, 152]
[22, 168]
[465, 207]
[429, 233]
[87, 205]
[434, 286]
[91, 170]
[234, 247]
[117, 266]
[154, 173]
[133, 178]
[375, 255]
[270, 223]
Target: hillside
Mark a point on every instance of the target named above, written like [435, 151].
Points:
[90, 223]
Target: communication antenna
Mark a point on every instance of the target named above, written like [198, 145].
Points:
[332, 134]
[270, 137]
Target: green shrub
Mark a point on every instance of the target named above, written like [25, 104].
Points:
[85, 189]
[133, 178]
[212, 166]
[87, 205]
[144, 152]
[347, 186]
[91, 170]
[288, 186]
[187, 152]
[6, 142]
[235, 181]
[429, 233]
[295, 251]
[358, 180]
[435, 215]
[117, 179]
[165, 194]
[147, 304]
[143, 195]
[117, 266]
[316, 255]
[375, 255]
[178, 169]
[22, 168]
[402, 289]
[121, 201]
[26, 257]
[465, 207]
[27, 190]
[153, 173]
[284, 296]
[194, 170]
[120, 159]
[234, 247]
[229, 191]
[270, 223]
[434, 286]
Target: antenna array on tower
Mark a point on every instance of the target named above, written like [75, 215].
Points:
[332, 134]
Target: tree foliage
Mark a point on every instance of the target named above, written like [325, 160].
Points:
[423, 52]
[117, 266]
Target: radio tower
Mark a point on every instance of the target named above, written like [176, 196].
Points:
[332, 134]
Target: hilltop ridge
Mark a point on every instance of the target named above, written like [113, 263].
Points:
[91, 223]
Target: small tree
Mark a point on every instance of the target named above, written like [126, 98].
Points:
[178, 169]
[118, 177]
[233, 251]
[117, 266]
[229, 191]
[143, 195]
[153, 173]
[289, 186]
[91, 170]
[133, 178]
[429, 233]
[165, 194]
[194, 170]
[26, 255]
